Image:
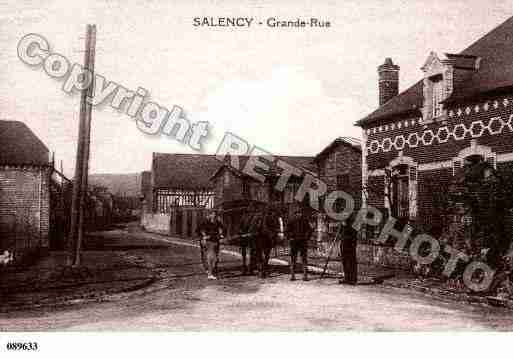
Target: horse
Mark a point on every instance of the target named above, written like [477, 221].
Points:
[260, 232]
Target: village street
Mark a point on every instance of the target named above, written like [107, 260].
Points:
[183, 299]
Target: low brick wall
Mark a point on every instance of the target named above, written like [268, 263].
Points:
[369, 253]
[383, 255]
[156, 223]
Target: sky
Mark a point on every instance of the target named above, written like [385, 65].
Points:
[289, 91]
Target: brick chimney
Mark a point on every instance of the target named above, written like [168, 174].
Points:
[388, 74]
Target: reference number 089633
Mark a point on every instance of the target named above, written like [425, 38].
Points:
[19, 346]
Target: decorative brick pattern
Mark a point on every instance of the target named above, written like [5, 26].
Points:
[461, 131]
[484, 127]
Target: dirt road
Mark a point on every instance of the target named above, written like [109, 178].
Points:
[183, 299]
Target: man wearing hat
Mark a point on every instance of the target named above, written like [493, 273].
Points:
[211, 231]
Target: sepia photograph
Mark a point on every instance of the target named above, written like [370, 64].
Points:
[213, 174]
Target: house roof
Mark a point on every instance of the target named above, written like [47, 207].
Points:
[195, 171]
[495, 72]
[20, 146]
[186, 171]
[302, 162]
[352, 142]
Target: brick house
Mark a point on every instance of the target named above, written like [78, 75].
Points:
[29, 193]
[459, 113]
[339, 165]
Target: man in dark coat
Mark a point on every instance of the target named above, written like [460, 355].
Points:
[348, 251]
[210, 231]
[299, 231]
[248, 233]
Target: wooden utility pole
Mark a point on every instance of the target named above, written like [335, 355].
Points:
[87, 143]
[82, 159]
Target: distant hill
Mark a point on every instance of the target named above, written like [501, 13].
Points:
[128, 184]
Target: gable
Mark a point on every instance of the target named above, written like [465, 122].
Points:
[433, 65]
[349, 144]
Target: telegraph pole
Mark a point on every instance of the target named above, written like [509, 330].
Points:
[87, 144]
[82, 159]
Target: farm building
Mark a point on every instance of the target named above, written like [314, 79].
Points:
[176, 181]
[32, 210]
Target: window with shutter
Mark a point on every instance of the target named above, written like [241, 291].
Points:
[401, 192]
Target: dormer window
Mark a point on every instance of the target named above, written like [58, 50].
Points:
[437, 86]
[439, 73]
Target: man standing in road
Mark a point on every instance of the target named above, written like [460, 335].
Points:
[299, 231]
[210, 231]
[348, 252]
[247, 232]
